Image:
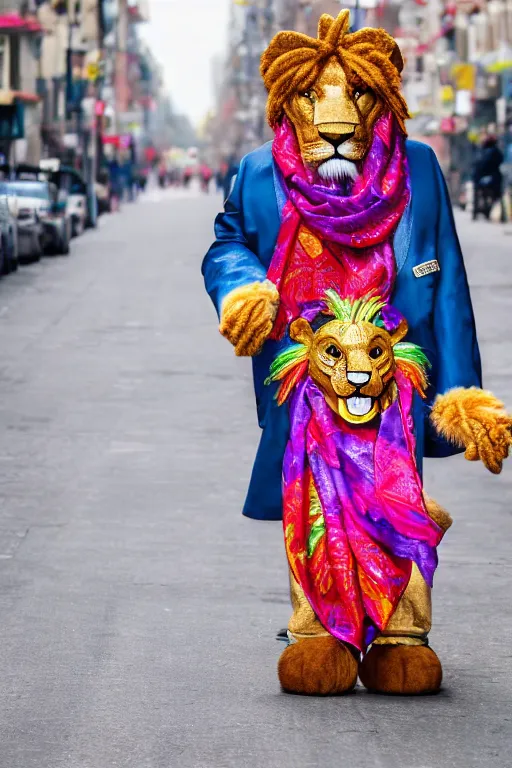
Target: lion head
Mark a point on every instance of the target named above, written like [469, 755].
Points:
[352, 358]
[333, 89]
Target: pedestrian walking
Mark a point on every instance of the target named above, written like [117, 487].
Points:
[230, 175]
[488, 178]
[206, 174]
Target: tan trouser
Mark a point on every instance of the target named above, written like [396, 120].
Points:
[411, 621]
[409, 625]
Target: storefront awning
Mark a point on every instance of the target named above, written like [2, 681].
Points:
[13, 21]
[8, 98]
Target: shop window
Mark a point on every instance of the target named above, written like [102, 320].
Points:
[4, 63]
[14, 62]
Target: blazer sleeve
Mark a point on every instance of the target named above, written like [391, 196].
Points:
[230, 263]
[457, 354]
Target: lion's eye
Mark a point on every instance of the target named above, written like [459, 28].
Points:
[308, 95]
[333, 351]
[360, 91]
[375, 353]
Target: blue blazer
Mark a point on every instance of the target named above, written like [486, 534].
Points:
[437, 306]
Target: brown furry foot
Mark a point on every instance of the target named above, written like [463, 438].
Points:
[318, 666]
[401, 669]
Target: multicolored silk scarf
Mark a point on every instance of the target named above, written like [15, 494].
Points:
[354, 515]
[331, 240]
[353, 512]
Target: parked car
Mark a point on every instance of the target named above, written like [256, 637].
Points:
[54, 211]
[103, 197]
[42, 201]
[56, 221]
[8, 228]
[71, 181]
[3, 269]
[29, 226]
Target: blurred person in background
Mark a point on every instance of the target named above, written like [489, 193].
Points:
[162, 173]
[187, 176]
[142, 178]
[487, 176]
[220, 176]
[230, 175]
[127, 177]
[115, 183]
[507, 165]
[206, 174]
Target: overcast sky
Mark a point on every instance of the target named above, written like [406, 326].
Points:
[184, 35]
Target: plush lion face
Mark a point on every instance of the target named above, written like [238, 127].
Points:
[332, 89]
[353, 364]
[352, 358]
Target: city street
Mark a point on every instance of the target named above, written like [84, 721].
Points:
[138, 607]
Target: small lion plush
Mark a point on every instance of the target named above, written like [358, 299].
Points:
[360, 534]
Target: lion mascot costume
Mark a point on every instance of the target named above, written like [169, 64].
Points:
[337, 268]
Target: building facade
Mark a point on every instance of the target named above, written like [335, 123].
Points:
[457, 77]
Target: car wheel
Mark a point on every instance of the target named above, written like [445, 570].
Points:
[64, 243]
[14, 252]
[4, 257]
[78, 227]
[10, 255]
[37, 251]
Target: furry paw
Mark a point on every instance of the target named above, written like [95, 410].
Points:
[248, 315]
[319, 666]
[401, 669]
[477, 421]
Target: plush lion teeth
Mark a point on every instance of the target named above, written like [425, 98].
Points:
[359, 406]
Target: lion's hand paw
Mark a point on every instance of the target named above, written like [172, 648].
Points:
[248, 315]
[492, 441]
[477, 421]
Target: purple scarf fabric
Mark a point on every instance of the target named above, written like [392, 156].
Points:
[374, 516]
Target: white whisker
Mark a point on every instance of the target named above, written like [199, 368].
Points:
[337, 170]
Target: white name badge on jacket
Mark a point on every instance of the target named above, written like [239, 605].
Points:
[420, 270]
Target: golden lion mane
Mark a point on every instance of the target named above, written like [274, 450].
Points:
[293, 61]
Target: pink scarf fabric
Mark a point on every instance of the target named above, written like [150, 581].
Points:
[330, 240]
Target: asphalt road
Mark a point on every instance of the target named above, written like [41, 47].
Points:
[137, 607]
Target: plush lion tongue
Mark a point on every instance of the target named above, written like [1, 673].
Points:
[359, 406]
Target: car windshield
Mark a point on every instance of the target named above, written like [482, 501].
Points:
[30, 189]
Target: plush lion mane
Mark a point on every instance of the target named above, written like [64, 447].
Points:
[293, 61]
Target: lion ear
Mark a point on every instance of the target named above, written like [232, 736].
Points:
[301, 331]
[396, 58]
[324, 25]
[399, 333]
[379, 39]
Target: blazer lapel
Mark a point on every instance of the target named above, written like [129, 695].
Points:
[279, 188]
[402, 238]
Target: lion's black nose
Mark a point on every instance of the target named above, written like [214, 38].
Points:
[358, 377]
[337, 138]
